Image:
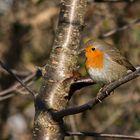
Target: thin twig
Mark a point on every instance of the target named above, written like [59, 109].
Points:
[84, 80]
[6, 97]
[101, 96]
[111, 32]
[17, 78]
[18, 73]
[102, 135]
[16, 85]
[113, 0]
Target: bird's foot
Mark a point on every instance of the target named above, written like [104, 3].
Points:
[98, 99]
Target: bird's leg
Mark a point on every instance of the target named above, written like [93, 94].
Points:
[98, 99]
[98, 94]
[102, 89]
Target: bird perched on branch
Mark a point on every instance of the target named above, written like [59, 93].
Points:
[104, 62]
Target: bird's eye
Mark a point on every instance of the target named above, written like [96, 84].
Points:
[93, 49]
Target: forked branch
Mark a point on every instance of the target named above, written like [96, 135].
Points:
[101, 96]
[16, 77]
[124, 27]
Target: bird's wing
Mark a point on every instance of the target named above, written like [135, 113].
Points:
[116, 56]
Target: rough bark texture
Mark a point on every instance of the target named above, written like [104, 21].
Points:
[59, 71]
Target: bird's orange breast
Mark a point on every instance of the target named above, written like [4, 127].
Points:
[94, 58]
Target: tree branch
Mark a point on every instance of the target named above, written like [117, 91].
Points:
[113, 0]
[16, 77]
[6, 97]
[101, 96]
[113, 31]
[80, 83]
[92, 134]
[16, 85]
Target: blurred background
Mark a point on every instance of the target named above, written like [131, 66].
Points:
[27, 31]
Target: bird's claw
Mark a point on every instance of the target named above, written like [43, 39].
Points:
[98, 99]
[106, 92]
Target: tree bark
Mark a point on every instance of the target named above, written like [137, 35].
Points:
[59, 71]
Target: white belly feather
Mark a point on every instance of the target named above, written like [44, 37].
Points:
[111, 71]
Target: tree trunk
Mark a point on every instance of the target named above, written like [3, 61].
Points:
[59, 72]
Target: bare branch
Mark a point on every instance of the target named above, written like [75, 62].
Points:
[92, 134]
[6, 97]
[84, 80]
[101, 96]
[80, 83]
[16, 85]
[18, 73]
[113, 0]
[16, 77]
[129, 25]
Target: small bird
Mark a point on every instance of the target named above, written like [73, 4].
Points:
[104, 62]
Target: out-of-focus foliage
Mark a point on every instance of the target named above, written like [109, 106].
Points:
[27, 31]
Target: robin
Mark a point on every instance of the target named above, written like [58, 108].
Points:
[104, 62]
